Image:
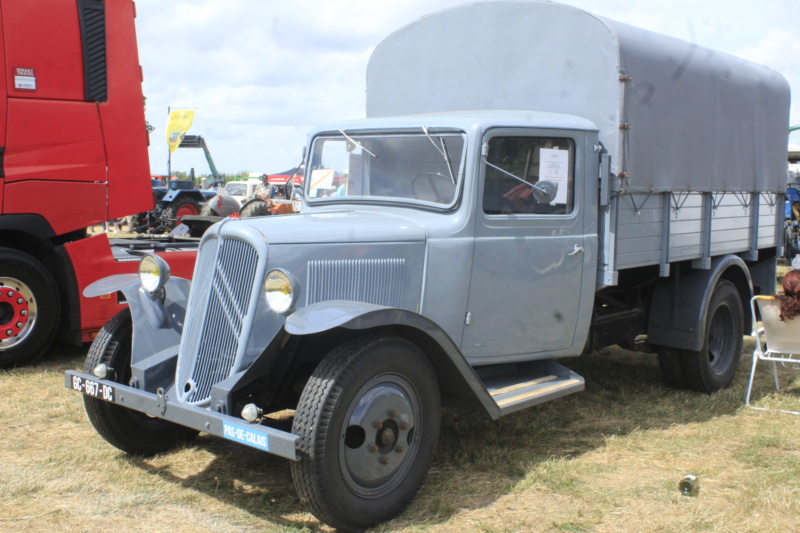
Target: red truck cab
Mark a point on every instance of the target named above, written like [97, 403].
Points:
[73, 153]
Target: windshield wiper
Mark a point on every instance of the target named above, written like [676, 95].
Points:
[346, 136]
[528, 183]
[443, 151]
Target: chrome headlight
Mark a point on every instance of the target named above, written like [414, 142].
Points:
[153, 273]
[280, 288]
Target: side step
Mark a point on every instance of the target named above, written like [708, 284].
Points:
[515, 387]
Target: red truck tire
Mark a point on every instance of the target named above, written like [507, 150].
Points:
[30, 308]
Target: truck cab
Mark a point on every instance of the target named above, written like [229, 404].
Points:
[492, 236]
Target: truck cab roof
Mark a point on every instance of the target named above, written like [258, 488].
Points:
[466, 121]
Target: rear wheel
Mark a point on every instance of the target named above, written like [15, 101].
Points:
[368, 422]
[713, 367]
[670, 362]
[30, 308]
[131, 431]
[181, 206]
[790, 241]
[255, 208]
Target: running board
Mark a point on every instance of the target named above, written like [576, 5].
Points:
[515, 387]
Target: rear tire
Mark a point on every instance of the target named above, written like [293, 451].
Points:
[670, 362]
[790, 242]
[181, 206]
[131, 431]
[30, 308]
[713, 367]
[368, 422]
[255, 208]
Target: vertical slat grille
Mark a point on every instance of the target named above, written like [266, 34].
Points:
[377, 281]
[223, 284]
[93, 34]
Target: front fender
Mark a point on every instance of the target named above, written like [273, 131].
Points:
[323, 316]
[157, 320]
[456, 376]
[173, 194]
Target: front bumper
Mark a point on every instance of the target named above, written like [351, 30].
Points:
[274, 441]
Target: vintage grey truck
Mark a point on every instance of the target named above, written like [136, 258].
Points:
[531, 183]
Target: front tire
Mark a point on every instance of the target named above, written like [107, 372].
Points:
[713, 367]
[131, 431]
[30, 308]
[368, 421]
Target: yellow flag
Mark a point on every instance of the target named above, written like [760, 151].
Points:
[180, 120]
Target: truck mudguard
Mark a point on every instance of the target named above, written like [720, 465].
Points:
[456, 376]
[34, 225]
[678, 307]
[157, 320]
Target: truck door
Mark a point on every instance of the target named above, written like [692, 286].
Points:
[527, 271]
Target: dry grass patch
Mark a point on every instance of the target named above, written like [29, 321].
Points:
[605, 460]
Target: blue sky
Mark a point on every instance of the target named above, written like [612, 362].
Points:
[261, 73]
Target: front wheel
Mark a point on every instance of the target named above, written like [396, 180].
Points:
[131, 431]
[368, 421]
[713, 367]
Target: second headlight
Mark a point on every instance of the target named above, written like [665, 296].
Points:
[153, 273]
[280, 288]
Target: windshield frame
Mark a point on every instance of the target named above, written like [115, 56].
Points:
[418, 132]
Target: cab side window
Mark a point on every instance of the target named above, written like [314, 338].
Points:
[529, 175]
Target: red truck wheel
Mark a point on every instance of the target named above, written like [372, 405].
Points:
[29, 308]
[182, 207]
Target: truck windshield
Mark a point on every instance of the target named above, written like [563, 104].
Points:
[423, 167]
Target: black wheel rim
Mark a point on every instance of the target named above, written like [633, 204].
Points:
[380, 435]
[721, 342]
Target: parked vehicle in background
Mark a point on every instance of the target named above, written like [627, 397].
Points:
[173, 201]
[562, 190]
[242, 190]
[74, 156]
[791, 227]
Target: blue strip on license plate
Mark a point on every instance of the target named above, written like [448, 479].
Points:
[93, 388]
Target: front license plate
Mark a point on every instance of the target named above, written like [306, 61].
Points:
[93, 388]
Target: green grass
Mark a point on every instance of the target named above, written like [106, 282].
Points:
[607, 459]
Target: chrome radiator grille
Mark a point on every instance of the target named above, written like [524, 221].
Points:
[219, 301]
[376, 281]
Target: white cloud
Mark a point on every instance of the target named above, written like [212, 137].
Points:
[261, 73]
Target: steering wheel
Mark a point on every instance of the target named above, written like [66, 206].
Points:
[433, 186]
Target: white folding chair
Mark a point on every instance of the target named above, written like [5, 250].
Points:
[776, 341]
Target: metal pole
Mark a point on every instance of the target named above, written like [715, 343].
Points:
[169, 152]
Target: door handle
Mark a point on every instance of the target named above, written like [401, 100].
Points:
[576, 250]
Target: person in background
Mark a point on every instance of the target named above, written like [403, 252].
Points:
[264, 191]
[790, 299]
